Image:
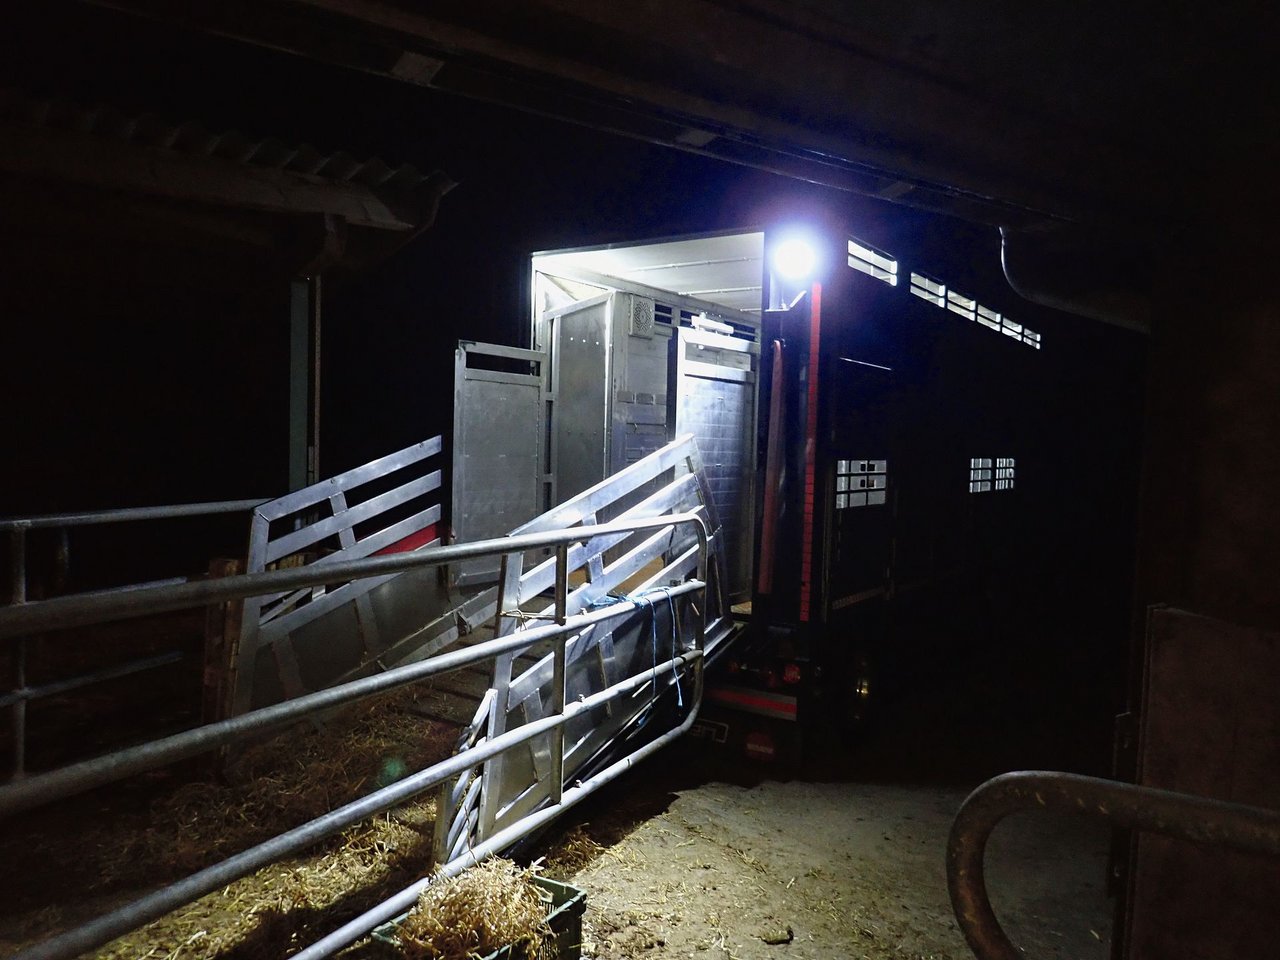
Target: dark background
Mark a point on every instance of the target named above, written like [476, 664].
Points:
[143, 370]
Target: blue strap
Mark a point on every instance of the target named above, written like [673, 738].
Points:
[643, 600]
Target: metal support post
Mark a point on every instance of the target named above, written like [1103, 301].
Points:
[304, 381]
[19, 721]
[17, 595]
[18, 565]
[558, 672]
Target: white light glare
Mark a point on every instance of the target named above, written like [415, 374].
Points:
[794, 259]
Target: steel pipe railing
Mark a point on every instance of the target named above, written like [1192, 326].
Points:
[88, 518]
[113, 672]
[401, 902]
[18, 527]
[85, 609]
[133, 915]
[79, 610]
[77, 778]
[1178, 815]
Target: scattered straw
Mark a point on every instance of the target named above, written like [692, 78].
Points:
[479, 911]
[575, 851]
[276, 785]
[295, 777]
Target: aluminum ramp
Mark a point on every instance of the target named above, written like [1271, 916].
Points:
[492, 797]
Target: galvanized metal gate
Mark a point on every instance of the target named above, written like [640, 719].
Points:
[493, 797]
[499, 425]
[713, 397]
[297, 641]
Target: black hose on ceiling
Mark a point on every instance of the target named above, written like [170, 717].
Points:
[1079, 272]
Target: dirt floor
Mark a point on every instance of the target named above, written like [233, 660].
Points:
[694, 853]
[756, 867]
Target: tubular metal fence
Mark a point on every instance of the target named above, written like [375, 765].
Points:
[562, 630]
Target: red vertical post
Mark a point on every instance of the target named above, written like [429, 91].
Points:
[810, 452]
[772, 474]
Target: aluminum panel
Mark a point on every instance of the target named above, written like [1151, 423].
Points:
[580, 380]
[296, 641]
[498, 431]
[715, 400]
[644, 562]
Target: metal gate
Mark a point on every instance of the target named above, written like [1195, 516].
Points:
[296, 641]
[713, 396]
[499, 430]
[488, 799]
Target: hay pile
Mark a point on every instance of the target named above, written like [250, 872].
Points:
[479, 911]
[283, 907]
[572, 853]
[294, 777]
[275, 785]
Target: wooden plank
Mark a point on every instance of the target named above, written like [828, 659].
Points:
[1210, 725]
[221, 639]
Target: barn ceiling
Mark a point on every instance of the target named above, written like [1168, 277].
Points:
[1122, 116]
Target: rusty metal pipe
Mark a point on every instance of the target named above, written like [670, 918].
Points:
[1177, 815]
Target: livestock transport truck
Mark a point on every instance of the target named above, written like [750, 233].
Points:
[866, 430]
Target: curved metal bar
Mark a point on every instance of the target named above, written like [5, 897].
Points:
[1177, 815]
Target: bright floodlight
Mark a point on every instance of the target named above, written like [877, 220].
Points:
[794, 259]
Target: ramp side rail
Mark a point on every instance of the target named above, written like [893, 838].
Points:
[1179, 815]
[80, 610]
[671, 480]
[377, 508]
[17, 527]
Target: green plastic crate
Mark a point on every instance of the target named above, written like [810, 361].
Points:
[564, 916]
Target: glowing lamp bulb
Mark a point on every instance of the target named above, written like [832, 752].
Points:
[794, 259]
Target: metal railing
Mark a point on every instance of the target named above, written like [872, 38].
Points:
[80, 610]
[1177, 815]
[17, 528]
[329, 513]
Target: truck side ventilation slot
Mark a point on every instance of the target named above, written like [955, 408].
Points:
[926, 288]
[875, 263]
[662, 313]
[986, 474]
[936, 292]
[861, 483]
[979, 474]
[988, 318]
[959, 303]
[1004, 473]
